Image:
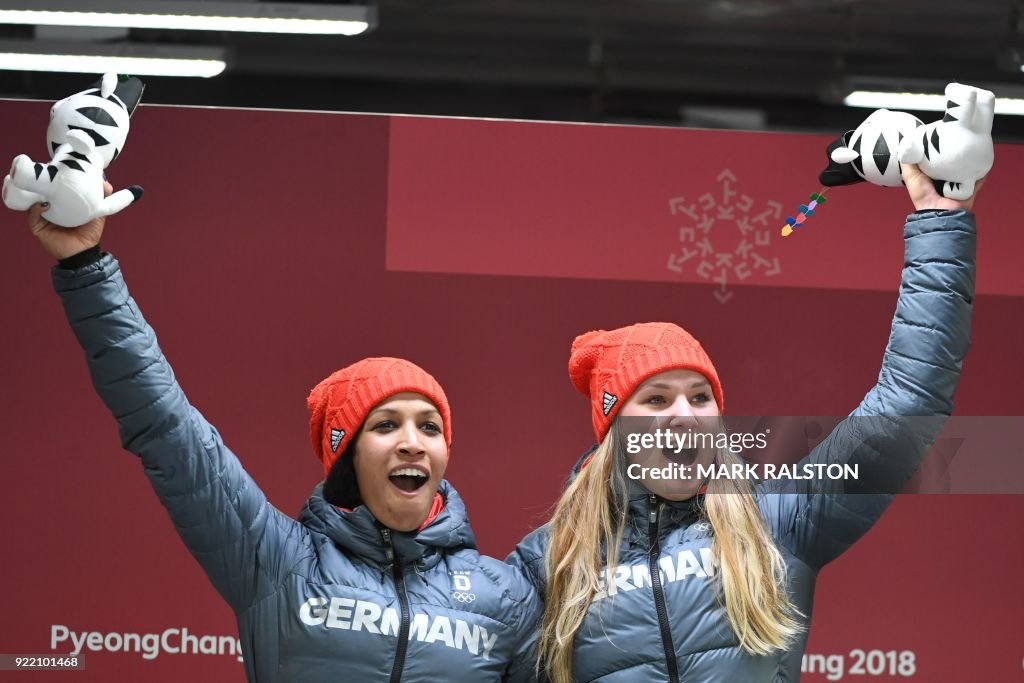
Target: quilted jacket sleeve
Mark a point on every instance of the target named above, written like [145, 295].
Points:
[528, 559]
[522, 667]
[241, 541]
[900, 417]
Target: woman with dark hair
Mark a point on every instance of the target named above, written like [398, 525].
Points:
[380, 579]
[712, 579]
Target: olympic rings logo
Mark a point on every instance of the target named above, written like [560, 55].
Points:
[464, 597]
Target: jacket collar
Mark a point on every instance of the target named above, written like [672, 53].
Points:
[359, 533]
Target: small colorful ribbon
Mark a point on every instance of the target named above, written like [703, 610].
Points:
[806, 211]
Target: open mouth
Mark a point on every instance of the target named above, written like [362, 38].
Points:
[408, 479]
[683, 456]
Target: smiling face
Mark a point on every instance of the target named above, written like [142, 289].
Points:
[400, 460]
[682, 402]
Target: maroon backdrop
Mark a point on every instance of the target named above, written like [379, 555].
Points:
[274, 247]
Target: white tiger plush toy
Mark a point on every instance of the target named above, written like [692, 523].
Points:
[87, 131]
[958, 149]
[955, 152]
[871, 149]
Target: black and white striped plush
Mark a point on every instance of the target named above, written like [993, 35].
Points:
[86, 133]
[103, 112]
[870, 151]
[957, 151]
[72, 183]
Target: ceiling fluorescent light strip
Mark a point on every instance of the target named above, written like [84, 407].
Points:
[195, 16]
[185, 22]
[141, 60]
[140, 66]
[873, 99]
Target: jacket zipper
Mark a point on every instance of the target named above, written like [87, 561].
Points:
[403, 600]
[659, 593]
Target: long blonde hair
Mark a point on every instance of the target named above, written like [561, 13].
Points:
[586, 532]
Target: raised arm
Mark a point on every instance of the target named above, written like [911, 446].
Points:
[241, 541]
[900, 417]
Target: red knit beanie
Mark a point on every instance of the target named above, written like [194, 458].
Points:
[608, 366]
[340, 403]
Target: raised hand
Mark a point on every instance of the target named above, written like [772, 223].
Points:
[64, 242]
[921, 189]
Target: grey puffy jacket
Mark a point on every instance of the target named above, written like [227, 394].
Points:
[335, 597]
[624, 638]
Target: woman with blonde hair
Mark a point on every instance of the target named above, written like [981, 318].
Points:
[694, 578]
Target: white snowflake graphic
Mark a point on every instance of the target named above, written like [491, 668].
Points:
[742, 236]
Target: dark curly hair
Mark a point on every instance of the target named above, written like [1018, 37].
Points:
[342, 485]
